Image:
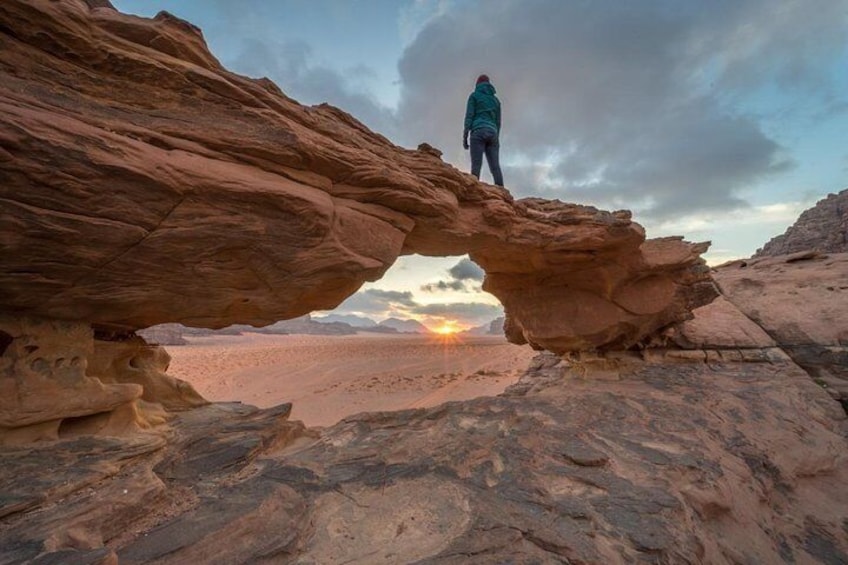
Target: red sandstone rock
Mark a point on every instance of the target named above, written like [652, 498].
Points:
[803, 305]
[56, 380]
[671, 462]
[143, 183]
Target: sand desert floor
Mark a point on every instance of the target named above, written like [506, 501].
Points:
[330, 377]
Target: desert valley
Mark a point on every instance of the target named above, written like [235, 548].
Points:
[327, 378]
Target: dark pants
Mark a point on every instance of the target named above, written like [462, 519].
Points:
[485, 140]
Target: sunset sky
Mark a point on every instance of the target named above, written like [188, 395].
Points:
[718, 120]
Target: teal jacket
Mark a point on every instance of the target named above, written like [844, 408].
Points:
[483, 109]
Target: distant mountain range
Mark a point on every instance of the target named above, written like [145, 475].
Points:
[495, 327]
[405, 326]
[351, 319]
[331, 324]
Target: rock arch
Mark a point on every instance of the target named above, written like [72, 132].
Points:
[143, 183]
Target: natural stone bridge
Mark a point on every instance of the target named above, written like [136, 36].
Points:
[143, 183]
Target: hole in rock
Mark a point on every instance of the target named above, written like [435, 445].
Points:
[83, 425]
[5, 342]
[422, 335]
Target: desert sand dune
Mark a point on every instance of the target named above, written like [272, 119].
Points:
[330, 377]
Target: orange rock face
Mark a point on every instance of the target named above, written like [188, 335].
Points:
[142, 183]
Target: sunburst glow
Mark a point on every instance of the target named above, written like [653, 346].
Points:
[447, 328]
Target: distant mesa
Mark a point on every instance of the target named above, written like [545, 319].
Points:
[495, 327]
[331, 324]
[175, 334]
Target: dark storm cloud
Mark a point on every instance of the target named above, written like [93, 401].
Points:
[443, 286]
[375, 302]
[466, 270]
[629, 104]
[461, 276]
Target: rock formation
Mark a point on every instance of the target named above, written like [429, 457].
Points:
[801, 302]
[822, 228]
[132, 160]
[142, 183]
[163, 334]
[696, 458]
[57, 380]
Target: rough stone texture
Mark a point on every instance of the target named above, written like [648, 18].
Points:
[57, 380]
[801, 301]
[671, 462]
[822, 228]
[130, 159]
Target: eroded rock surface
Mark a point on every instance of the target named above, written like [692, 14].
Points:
[645, 462]
[57, 380]
[142, 183]
[132, 160]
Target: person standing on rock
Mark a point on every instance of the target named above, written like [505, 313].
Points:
[483, 122]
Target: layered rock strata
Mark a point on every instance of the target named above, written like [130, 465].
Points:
[801, 302]
[611, 460]
[142, 183]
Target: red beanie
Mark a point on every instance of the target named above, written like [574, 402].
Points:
[482, 78]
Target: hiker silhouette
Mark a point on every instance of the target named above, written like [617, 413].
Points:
[483, 123]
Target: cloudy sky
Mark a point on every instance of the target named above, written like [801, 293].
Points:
[717, 120]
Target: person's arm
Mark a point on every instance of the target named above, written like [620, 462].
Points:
[498, 117]
[470, 108]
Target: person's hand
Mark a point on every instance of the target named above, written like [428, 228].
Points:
[465, 142]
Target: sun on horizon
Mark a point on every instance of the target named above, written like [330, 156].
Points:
[448, 327]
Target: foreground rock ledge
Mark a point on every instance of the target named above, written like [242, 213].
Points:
[142, 183]
[611, 460]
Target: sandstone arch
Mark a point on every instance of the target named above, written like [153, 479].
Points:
[143, 183]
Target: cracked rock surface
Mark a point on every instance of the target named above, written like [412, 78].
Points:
[669, 462]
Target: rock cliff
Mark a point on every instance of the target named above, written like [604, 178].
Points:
[822, 228]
